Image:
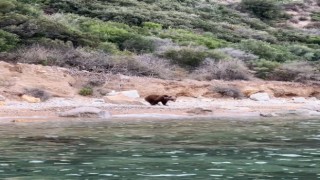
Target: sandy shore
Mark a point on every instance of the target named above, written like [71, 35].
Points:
[184, 107]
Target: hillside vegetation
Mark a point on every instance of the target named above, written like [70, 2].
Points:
[169, 39]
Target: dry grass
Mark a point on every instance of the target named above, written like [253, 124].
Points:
[97, 62]
[296, 71]
[225, 70]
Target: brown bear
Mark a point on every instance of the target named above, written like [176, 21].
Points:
[155, 99]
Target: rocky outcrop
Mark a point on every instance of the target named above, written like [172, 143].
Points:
[88, 112]
[260, 97]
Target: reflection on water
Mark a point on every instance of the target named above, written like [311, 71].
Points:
[198, 149]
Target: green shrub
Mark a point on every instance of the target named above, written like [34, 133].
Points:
[109, 47]
[7, 5]
[305, 52]
[315, 16]
[8, 41]
[189, 58]
[263, 68]
[86, 91]
[152, 25]
[187, 37]
[138, 44]
[314, 40]
[266, 50]
[263, 9]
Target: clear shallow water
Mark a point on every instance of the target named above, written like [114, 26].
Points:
[198, 149]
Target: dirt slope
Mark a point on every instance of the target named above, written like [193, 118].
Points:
[60, 82]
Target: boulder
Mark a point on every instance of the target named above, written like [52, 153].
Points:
[122, 99]
[260, 97]
[268, 114]
[130, 93]
[2, 98]
[299, 99]
[30, 99]
[88, 112]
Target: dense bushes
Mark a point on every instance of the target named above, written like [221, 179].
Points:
[155, 38]
[266, 50]
[263, 68]
[295, 71]
[8, 41]
[138, 44]
[263, 9]
[186, 57]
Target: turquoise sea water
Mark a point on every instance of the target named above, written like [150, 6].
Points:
[177, 149]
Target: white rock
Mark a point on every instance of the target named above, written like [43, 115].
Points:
[122, 99]
[260, 97]
[130, 93]
[268, 114]
[299, 99]
[2, 98]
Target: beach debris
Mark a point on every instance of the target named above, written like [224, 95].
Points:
[260, 97]
[88, 112]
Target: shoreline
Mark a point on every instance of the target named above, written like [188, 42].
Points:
[61, 87]
[183, 108]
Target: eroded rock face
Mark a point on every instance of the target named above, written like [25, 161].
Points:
[260, 97]
[88, 112]
[54, 80]
[59, 82]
